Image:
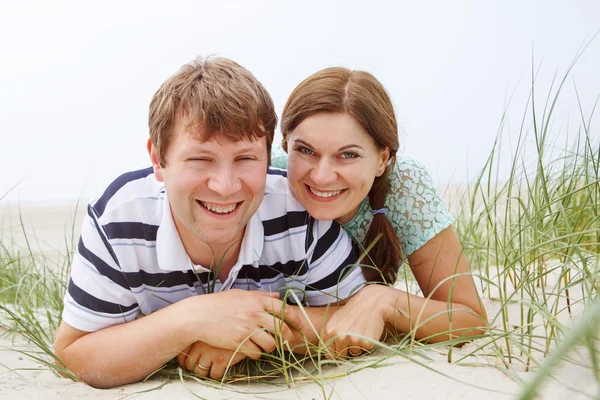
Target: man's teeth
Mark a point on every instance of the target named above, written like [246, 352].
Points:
[324, 194]
[219, 209]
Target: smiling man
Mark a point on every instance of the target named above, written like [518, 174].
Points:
[192, 256]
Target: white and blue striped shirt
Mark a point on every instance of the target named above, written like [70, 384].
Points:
[130, 260]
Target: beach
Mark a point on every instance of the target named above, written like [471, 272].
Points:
[415, 373]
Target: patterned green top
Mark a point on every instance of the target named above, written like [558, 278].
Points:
[414, 205]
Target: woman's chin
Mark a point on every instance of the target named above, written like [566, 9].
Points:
[323, 215]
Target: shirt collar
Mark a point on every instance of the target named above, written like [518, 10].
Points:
[172, 255]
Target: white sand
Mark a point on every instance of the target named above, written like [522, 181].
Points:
[480, 377]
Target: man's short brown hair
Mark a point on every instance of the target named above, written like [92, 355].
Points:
[218, 98]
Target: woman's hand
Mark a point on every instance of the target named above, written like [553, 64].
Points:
[205, 360]
[364, 314]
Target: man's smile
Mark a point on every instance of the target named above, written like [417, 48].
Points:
[220, 209]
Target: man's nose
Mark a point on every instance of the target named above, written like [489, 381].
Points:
[224, 181]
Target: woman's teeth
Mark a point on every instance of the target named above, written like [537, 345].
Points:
[219, 209]
[324, 194]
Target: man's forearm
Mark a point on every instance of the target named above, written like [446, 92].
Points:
[128, 352]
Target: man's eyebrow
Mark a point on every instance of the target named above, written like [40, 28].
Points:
[248, 149]
[203, 150]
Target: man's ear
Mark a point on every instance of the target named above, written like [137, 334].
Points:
[158, 170]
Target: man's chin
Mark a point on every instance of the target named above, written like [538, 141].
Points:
[217, 236]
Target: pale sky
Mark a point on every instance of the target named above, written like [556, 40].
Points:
[76, 79]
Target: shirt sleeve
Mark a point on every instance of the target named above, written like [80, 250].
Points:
[415, 206]
[98, 295]
[278, 157]
[334, 272]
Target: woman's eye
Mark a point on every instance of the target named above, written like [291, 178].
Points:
[248, 158]
[305, 150]
[349, 154]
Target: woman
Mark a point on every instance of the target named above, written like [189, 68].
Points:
[340, 132]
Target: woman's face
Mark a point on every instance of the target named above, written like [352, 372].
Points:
[332, 163]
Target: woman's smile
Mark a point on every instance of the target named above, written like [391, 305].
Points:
[325, 195]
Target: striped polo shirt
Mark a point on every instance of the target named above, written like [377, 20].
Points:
[130, 260]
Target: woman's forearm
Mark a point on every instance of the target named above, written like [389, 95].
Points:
[430, 319]
[312, 329]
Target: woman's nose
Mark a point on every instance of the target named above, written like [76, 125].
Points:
[323, 174]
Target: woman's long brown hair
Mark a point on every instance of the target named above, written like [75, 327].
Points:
[359, 94]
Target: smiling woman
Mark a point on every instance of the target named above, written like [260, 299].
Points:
[333, 163]
[340, 132]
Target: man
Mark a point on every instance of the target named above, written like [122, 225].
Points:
[174, 243]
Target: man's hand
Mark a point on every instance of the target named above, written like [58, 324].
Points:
[364, 314]
[246, 319]
[205, 360]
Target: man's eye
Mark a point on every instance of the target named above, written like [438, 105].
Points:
[246, 158]
[349, 154]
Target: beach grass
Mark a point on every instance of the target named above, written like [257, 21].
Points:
[532, 240]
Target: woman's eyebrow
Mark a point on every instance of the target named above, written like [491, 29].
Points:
[302, 142]
[349, 146]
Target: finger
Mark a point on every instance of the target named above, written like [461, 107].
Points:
[264, 340]
[277, 329]
[182, 356]
[284, 334]
[354, 351]
[194, 355]
[264, 293]
[366, 346]
[185, 359]
[220, 365]
[237, 357]
[330, 350]
[217, 370]
[279, 309]
[341, 347]
[250, 350]
[363, 344]
[203, 367]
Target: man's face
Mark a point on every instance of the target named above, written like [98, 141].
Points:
[214, 187]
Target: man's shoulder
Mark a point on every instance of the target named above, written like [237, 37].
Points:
[278, 199]
[279, 210]
[138, 190]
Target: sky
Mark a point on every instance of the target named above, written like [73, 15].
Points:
[76, 78]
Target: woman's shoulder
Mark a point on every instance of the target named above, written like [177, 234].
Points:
[415, 206]
[408, 173]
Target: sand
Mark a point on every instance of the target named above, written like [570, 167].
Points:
[475, 377]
